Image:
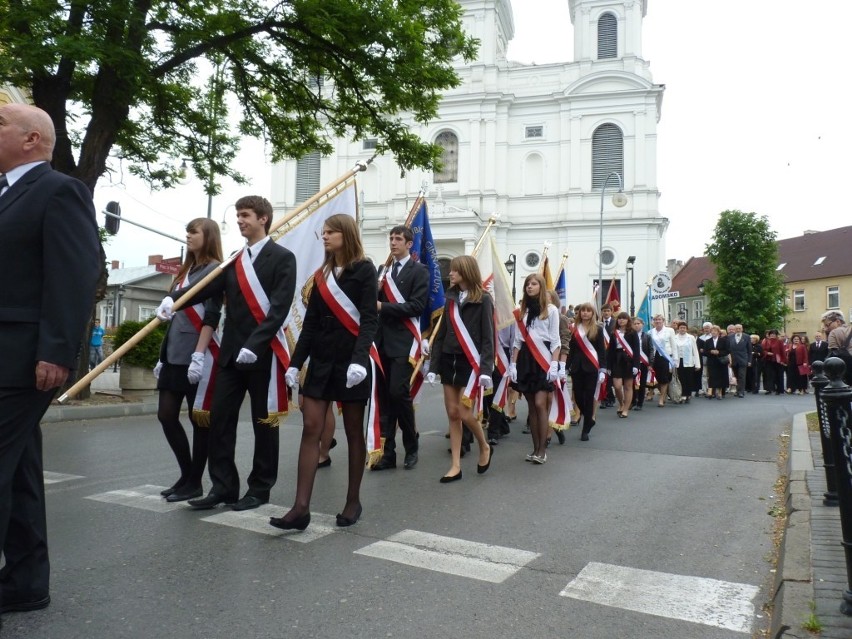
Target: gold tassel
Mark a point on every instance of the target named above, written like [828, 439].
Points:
[373, 457]
[272, 419]
[201, 418]
[557, 426]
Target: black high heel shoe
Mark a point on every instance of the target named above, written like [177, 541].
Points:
[297, 523]
[343, 522]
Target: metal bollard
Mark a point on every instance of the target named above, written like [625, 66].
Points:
[819, 381]
[838, 400]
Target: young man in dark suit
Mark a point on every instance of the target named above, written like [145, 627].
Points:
[246, 359]
[396, 340]
[52, 261]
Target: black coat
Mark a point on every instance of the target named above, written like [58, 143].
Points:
[478, 318]
[632, 339]
[577, 360]
[394, 339]
[818, 354]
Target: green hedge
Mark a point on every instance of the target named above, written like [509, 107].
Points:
[147, 352]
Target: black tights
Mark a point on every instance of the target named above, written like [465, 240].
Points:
[191, 463]
[539, 420]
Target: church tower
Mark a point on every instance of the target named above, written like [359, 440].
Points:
[607, 28]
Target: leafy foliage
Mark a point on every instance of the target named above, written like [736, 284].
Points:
[748, 289]
[147, 352]
[124, 73]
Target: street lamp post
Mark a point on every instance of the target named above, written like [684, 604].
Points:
[631, 263]
[511, 266]
[619, 200]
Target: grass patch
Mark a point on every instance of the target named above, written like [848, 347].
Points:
[812, 623]
[813, 422]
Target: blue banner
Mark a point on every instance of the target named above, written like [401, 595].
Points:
[561, 288]
[645, 309]
[424, 251]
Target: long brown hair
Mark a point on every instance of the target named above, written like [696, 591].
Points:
[466, 266]
[211, 249]
[591, 327]
[352, 250]
[629, 328]
[543, 298]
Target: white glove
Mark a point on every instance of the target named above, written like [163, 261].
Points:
[553, 372]
[291, 377]
[196, 367]
[157, 369]
[562, 374]
[601, 376]
[164, 310]
[245, 356]
[513, 373]
[425, 368]
[431, 378]
[486, 382]
[424, 346]
[635, 371]
[355, 374]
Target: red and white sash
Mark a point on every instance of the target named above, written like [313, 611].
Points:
[393, 295]
[501, 361]
[258, 303]
[560, 408]
[350, 317]
[204, 393]
[591, 354]
[471, 392]
[624, 344]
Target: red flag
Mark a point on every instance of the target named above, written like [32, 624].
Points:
[612, 295]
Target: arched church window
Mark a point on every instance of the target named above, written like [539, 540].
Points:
[607, 36]
[449, 172]
[607, 154]
[534, 175]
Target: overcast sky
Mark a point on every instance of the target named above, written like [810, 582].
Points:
[752, 119]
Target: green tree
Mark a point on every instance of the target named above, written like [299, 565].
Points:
[748, 289]
[124, 74]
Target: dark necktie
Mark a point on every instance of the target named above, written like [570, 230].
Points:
[3, 183]
[395, 271]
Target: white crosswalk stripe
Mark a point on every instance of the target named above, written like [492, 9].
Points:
[257, 520]
[459, 557]
[55, 478]
[146, 497]
[711, 602]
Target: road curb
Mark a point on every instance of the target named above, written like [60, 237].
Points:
[793, 590]
[58, 413]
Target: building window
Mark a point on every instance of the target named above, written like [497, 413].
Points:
[798, 300]
[534, 175]
[682, 312]
[370, 144]
[307, 176]
[449, 172]
[832, 297]
[607, 258]
[536, 131]
[532, 260]
[607, 36]
[607, 155]
[698, 309]
[146, 313]
[781, 266]
[820, 260]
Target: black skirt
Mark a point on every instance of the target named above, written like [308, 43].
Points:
[661, 369]
[327, 381]
[623, 366]
[173, 378]
[455, 370]
[531, 377]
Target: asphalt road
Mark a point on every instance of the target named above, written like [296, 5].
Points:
[623, 536]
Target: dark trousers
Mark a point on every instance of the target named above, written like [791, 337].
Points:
[753, 376]
[584, 385]
[231, 387]
[23, 524]
[396, 405]
[740, 374]
[639, 396]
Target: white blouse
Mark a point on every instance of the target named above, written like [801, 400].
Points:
[547, 330]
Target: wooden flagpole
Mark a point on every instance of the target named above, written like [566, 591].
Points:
[278, 228]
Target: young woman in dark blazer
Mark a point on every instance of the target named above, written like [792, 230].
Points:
[182, 361]
[586, 363]
[623, 360]
[474, 306]
[339, 364]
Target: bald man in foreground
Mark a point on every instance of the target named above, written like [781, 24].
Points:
[51, 264]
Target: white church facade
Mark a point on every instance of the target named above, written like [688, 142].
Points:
[534, 144]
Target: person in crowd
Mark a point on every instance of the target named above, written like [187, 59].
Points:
[755, 372]
[839, 340]
[403, 294]
[818, 350]
[608, 324]
[798, 366]
[498, 422]
[688, 361]
[774, 363]
[646, 356]
[586, 364]
[49, 239]
[463, 356]
[717, 363]
[701, 342]
[337, 335]
[535, 359]
[739, 348]
[182, 360]
[96, 344]
[623, 360]
[665, 349]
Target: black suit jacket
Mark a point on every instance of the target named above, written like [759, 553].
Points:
[740, 353]
[394, 339]
[818, 354]
[577, 360]
[51, 265]
[275, 267]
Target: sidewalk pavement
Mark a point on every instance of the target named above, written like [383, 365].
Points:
[812, 567]
[106, 382]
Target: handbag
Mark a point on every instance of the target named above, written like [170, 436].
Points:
[804, 369]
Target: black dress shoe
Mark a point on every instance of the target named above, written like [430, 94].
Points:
[584, 437]
[482, 469]
[343, 522]
[188, 492]
[324, 464]
[385, 463]
[297, 523]
[173, 488]
[11, 604]
[211, 501]
[560, 435]
[446, 480]
[410, 461]
[248, 502]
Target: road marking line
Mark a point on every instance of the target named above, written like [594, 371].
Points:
[711, 602]
[55, 478]
[457, 557]
[257, 520]
[146, 497]
[431, 432]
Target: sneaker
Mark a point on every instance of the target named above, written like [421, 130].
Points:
[539, 460]
[530, 457]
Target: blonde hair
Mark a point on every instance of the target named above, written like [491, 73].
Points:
[466, 266]
[591, 327]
